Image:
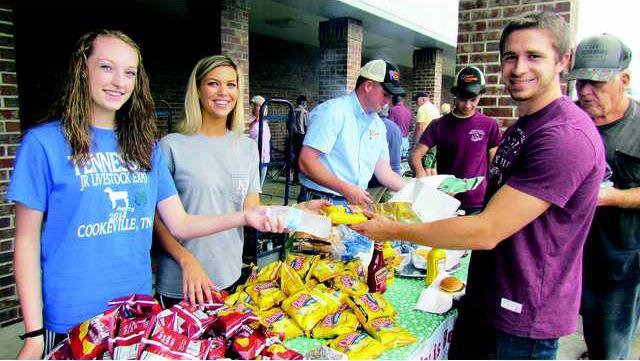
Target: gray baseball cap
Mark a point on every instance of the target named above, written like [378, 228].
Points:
[599, 58]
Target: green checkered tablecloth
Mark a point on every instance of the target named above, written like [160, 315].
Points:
[403, 295]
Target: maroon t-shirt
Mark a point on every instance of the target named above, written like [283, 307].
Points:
[530, 284]
[463, 145]
[402, 116]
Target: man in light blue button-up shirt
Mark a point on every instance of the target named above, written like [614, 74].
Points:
[346, 141]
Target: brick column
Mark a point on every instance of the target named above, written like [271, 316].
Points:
[9, 139]
[480, 24]
[340, 56]
[234, 40]
[427, 72]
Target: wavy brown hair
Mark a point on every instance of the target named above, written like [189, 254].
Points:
[135, 120]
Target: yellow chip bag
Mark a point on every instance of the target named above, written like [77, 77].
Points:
[370, 306]
[336, 324]
[275, 321]
[305, 309]
[327, 269]
[238, 296]
[330, 297]
[348, 283]
[303, 264]
[358, 346]
[386, 331]
[265, 294]
[290, 281]
[356, 267]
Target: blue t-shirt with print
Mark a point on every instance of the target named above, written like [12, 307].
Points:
[98, 221]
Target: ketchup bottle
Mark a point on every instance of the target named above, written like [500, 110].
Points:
[377, 273]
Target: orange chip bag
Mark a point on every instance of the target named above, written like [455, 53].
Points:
[290, 281]
[350, 284]
[275, 321]
[336, 324]
[326, 269]
[303, 264]
[265, 294]
[370, 306]
[305, 309]
[358, 346]
[386, 331]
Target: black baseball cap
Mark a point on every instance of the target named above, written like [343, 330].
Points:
[469, 83]
[384, 73]
[600, 58]
[417, 95]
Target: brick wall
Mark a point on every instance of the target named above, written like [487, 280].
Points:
[427, 72]
[340, 56]
[480, 24]
[234, 39]
[9, 138]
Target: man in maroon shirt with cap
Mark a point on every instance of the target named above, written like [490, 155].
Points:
[523, 289]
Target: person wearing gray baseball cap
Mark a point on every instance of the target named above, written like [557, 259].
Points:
[611, 280]
[346, 141]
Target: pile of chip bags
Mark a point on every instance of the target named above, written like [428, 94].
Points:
[302, 296]
[138, 328]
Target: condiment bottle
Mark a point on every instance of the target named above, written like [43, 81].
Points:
[436, 264]
[391, 260]
[377, 272]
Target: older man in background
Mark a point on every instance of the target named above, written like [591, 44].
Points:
[611, 274]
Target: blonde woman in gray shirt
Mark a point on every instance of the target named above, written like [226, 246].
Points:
[215, 169]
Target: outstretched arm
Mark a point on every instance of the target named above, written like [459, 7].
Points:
[508, 211]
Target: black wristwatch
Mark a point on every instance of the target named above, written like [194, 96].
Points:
[35, 333]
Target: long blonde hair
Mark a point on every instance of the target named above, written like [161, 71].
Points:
[192, 120]
[135, 120]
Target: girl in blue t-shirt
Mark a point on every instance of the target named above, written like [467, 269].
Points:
[86, 186]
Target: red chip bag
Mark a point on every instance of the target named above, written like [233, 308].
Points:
[278, 351]
[217, 349]
[132, 319]
[163, 342]
[230, 319]
[249, 342]
[192, 321]
[90, 339]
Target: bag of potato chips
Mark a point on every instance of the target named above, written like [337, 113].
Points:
[330, 297]
[327, 269]
[305, 309]
[336, 324]
[303, 264]
[386, 331]
[275, 321]
[350, 284]
[370, 306]
[358, 346]
[265, 294]
[290, 281]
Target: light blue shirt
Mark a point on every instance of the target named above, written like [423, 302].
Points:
[351, 141]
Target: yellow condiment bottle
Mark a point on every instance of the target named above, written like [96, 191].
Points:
[436, 263]
[391, 260]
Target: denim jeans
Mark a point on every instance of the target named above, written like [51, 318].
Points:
[475, 338]
[610, 318]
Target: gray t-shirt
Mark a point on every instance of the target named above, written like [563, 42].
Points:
[213, 176]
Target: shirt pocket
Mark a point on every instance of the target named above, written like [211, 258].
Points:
[239, 187]
[626, 169]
